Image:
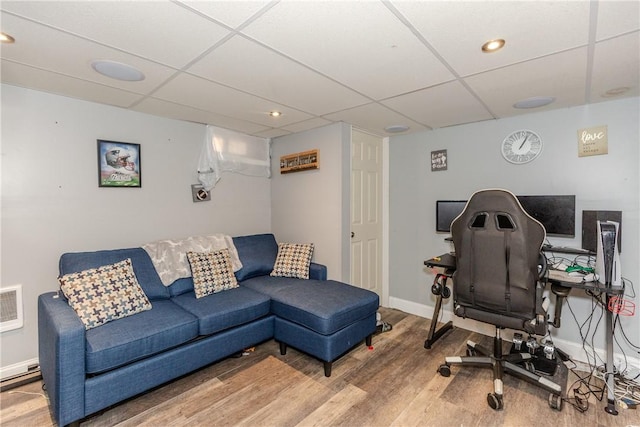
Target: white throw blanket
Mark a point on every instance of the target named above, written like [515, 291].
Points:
[169, 257]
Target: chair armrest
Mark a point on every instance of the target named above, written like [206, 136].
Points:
[61, 352]
[317, 271]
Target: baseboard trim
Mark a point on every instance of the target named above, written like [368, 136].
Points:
[19, 368]
[573, 349]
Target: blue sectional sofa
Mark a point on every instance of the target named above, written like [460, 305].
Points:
[87, 370]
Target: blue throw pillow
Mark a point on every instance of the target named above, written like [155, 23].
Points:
[257, 253]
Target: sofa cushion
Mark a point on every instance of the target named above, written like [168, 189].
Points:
[132, 338]
[142, 267]
[224, 310]
[181, 286]
[257, 253]
[100, 295]
[212, 272]
[184, 285]
[324, 306]
[293, 260]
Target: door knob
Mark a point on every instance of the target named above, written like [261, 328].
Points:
[353, 234]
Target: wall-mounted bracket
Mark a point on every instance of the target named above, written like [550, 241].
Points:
[199, 194]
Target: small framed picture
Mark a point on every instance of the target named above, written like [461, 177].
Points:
[438, 160]
[119, 164]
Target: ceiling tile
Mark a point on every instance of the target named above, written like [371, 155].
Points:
[205, 95]
[458, 29]
[624, 51]
[440, 106]
[241, 63]
[561, 76]
[231, 13]
[163, 108]
[161, 31]
[316, 122]
[22, 75]
[272, 133]
[49, 49]
[374, 118]
[360, 44]
[617, 17]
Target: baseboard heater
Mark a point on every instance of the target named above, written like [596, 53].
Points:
[33, 374]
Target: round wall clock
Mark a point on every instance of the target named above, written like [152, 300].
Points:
[521, 146]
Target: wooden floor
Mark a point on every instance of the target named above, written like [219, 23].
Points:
[393, 384]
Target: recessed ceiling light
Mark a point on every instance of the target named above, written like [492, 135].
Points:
[275, 113]
[534, 102]
[6, 38]
[396, 128]
[117, 70]
[493, 45]
[616, 91]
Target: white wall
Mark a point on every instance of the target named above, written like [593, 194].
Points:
[605, 182]
[51, 202]
[313, 205]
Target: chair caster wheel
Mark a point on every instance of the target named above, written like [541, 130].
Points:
[444, 370]
[471, 352]
[555, 401]
[495, 401]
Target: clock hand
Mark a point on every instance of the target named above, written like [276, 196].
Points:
[523, 141]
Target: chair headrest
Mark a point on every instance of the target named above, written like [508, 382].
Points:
[504, 213]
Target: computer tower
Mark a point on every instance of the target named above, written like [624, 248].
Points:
[607, 255]
[589, 221]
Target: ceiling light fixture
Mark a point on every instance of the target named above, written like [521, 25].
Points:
[396, 128]
[493, 45]
[6, 38]
[534, 102]
[275, 113]
[117, 70]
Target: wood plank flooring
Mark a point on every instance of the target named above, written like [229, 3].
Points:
[394, 384]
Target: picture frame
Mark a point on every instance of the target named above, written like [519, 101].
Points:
[119, 164]
[438, 160]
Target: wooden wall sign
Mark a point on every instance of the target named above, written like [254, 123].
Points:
[300, 161]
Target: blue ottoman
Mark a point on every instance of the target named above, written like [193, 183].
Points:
[323, 318]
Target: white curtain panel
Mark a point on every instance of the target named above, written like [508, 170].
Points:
[228, 151]
[208, 168]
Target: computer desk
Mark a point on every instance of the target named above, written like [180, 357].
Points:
[448, 263]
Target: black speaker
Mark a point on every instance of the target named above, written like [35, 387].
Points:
[590, 227]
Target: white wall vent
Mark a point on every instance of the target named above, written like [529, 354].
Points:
[11, 308]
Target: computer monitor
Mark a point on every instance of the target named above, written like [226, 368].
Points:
[556, 213]
[446, 212]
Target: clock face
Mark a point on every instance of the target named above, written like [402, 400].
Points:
[521, 146]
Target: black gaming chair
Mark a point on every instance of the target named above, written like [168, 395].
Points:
[497, 246]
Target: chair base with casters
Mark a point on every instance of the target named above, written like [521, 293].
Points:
[500, 364]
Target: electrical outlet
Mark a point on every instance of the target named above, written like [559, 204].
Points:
[199, 194]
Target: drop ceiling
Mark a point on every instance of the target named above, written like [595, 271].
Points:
[372, 64]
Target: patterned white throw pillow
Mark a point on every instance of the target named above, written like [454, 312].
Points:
[293, 260]
[212, 272]
[100, 295]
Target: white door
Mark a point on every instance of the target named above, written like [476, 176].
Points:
[366, 211]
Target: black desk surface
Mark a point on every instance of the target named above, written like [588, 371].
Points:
[448, 262]
[567, 250]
